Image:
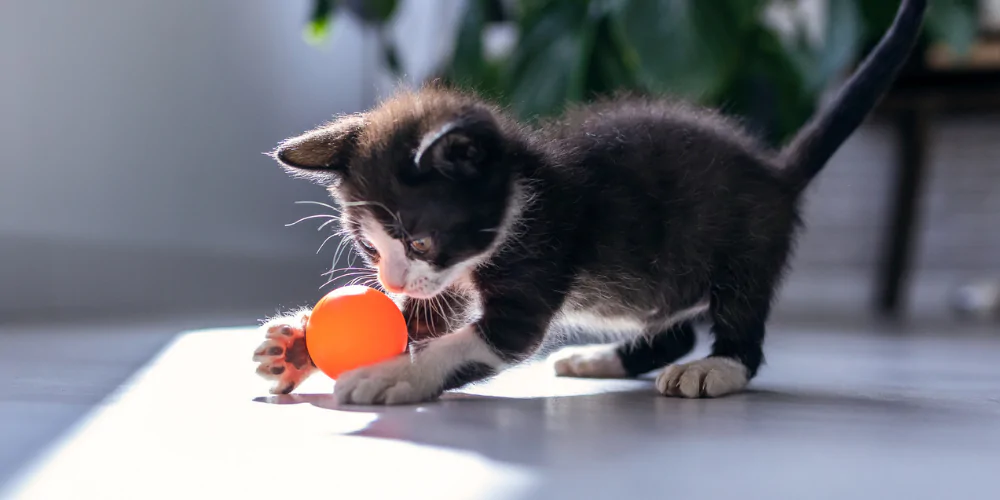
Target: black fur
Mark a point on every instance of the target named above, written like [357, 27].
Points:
[467, 373]
[647, 354]
[629, 208]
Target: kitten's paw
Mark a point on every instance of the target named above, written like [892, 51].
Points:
[705, 378]
[594, 361]
[393, 382]
[282, 356]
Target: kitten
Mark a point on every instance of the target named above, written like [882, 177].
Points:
[625, 214]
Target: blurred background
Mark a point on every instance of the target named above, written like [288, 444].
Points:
[133, 184]
[134, 191]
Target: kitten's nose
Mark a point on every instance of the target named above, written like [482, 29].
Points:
[390, 285]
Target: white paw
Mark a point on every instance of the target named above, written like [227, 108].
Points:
[595, 361]
[709, 377]
[282, 357]
[393, 382]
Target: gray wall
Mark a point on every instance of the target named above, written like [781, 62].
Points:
[132, 131]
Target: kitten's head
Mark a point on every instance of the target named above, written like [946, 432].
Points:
[425, 181]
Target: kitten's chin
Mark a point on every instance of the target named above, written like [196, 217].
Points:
[421, 295]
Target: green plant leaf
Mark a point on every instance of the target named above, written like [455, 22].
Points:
[317, 28]
[390, 56]
[548, 62]
[467, 59]
[876, 17]
[955, 23]
[669, 49]
[794, 97]
[376, 12]
[768, 92]
[841, 43]
[613, 66]
[382, 10]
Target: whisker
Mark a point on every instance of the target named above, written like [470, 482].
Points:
[449, 318]
[328, 238]
[423, 308]
[341, 269]
[344, 243]
[373, 204]
[317, 216]
[342, 276]
[308, 202]
[374, 283]
[331, 221]
[331, 280]
[453, 317]
[436, 302]
[356, 272]
[350, 269]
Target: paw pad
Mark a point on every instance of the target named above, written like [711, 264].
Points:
[282, 356]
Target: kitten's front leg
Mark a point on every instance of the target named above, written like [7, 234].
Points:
[507, 333]
[282, 356]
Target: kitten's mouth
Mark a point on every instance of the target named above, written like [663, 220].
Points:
[419, 288]
[419, 294]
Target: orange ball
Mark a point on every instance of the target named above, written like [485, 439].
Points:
[354, 326]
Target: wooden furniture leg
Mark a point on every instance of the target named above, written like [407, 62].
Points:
[911, 125]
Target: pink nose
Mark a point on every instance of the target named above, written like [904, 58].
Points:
[389, 285]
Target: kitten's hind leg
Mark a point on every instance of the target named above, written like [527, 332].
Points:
[629, 358]
[739, 309]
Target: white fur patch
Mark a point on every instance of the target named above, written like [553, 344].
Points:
[594, 361]
[416, 378]
[393, 265]
[416, 278]
[710, 377]
[630, 325]
[685, 314]
[424, 282]
[400, 274]
[587, 320]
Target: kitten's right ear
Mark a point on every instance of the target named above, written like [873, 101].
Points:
[324, 150]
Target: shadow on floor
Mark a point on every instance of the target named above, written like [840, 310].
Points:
[530, 430]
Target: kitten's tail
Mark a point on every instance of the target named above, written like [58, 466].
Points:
[820, 138]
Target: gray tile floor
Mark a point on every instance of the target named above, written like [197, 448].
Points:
[859, 412]
[54, 374]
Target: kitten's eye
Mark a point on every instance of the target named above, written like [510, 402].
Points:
[421, 245]
[367, 244]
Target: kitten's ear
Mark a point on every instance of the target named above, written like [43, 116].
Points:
[325, 150]
[461, 147]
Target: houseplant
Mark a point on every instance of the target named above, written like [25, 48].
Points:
[728, 54]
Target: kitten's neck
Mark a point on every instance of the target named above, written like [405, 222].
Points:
[511, 226]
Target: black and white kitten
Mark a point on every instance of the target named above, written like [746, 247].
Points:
[629, 213]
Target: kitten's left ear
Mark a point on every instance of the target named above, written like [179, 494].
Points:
[462, 146]
[324, 151]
